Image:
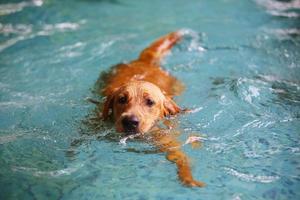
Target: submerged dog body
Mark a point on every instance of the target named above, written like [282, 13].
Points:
[140, 93]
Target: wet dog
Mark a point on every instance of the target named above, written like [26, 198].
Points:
[140, 93]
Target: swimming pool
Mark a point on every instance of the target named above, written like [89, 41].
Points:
[239, 62]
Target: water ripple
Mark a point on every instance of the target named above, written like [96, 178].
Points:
[25, 32]
[10, 138]
[251, 177]
[10, 8]
[54, 173]
[194, 44]
[285, 33]
[282, 9]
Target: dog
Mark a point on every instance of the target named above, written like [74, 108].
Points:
[140, 93]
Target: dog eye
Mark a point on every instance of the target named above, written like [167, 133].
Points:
[122, 100]
[150, 102]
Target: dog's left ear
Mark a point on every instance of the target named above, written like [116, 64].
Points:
[107, 106]
[170, 107]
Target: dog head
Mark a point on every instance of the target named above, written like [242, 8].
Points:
[137, 105]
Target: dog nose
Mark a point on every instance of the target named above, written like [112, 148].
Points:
[130, 123]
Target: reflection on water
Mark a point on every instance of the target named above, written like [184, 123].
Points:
[287, 8]
[287, 92]
[25, 32]
[10, 8]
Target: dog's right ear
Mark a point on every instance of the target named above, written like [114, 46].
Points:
[170, 107]
[107, 106]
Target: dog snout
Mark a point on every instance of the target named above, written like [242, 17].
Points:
[130, 124]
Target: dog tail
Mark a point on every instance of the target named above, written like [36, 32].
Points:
[158, 49]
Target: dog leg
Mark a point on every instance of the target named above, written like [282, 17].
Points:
[167, 143]
[184, 170]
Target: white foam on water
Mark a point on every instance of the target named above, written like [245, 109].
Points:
[19, 99]
[195, 44]
[25, 32]
[252, 92]
[192, 139]
[217, 115]
[251, 177]
[55, 173]
[225, 100]
[72, 46]
[195, 110]
[284, 33]
[123, 140]
[283, 9]
[10, 8]
[294, 149]
[236, 197]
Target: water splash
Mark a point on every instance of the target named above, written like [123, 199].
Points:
[195, 110]
[252, 92]
[195, 39]
[192, 139]
[123, 140]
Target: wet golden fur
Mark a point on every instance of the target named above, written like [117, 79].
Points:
[144, 90]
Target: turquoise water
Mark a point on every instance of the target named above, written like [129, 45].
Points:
[240, 62]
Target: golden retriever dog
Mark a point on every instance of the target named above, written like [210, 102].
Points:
[140, 93]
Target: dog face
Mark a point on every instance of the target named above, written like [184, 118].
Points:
[137, 105]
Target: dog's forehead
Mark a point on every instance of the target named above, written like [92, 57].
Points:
[142, 88]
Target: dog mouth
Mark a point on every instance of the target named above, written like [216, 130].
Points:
[130, 131]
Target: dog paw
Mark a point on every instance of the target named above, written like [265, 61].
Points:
[194, 183]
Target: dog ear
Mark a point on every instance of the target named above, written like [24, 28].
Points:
[107, 106]
[170, 107]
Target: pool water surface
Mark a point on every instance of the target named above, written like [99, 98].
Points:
[239, 61]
